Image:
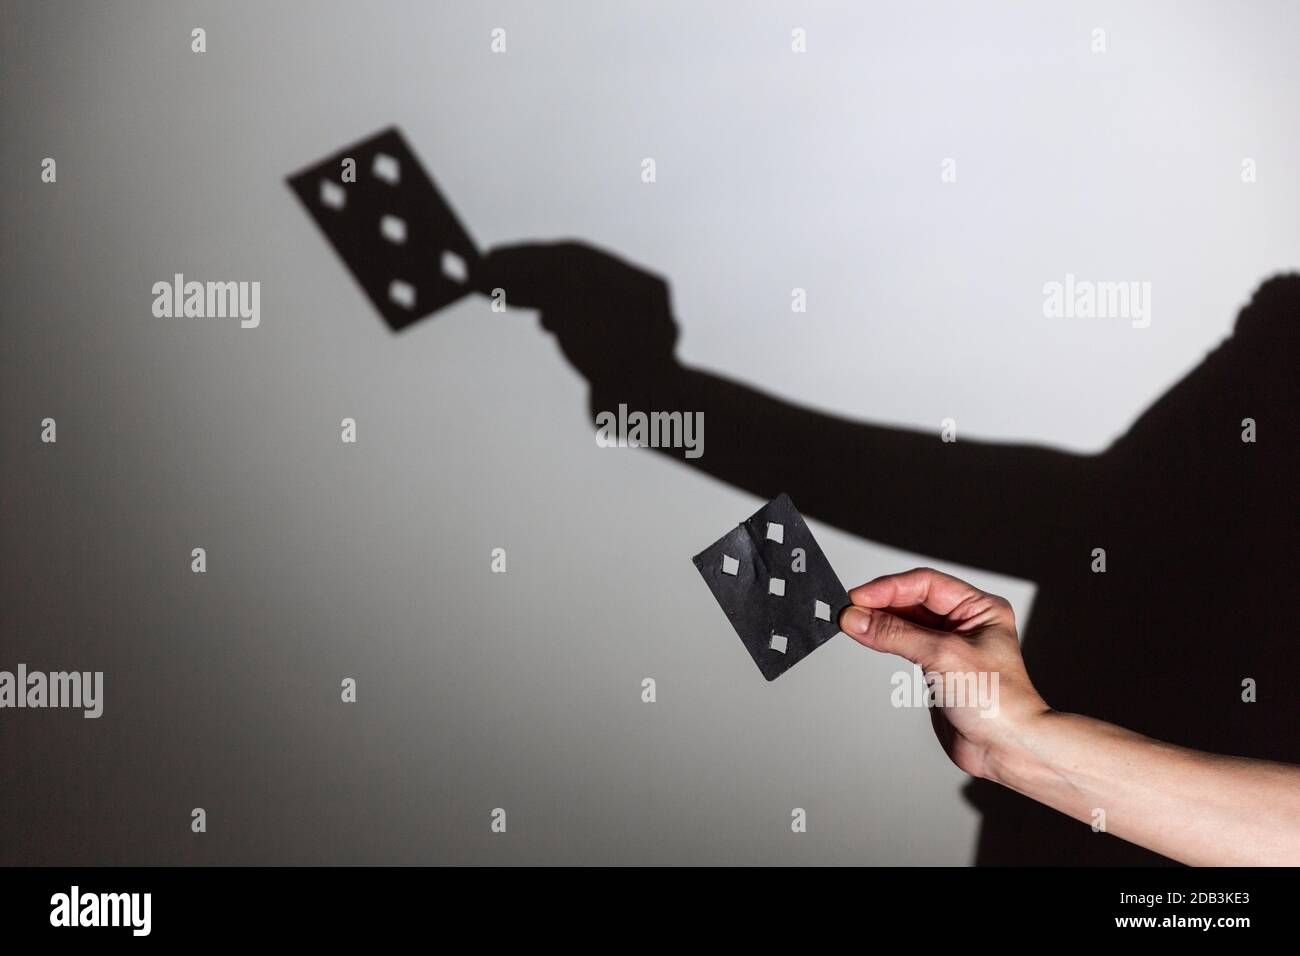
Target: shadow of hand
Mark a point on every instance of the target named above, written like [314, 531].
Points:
[612, 320]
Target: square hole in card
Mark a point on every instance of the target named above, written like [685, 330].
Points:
[393, 229]
[775, 586]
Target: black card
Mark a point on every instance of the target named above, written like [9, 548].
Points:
[775, 586]
[393, 229]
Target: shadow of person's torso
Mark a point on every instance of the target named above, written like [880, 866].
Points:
[1185, 636]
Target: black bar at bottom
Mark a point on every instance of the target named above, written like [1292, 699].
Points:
[305, 904]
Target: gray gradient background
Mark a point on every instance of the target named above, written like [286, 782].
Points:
[521, 690]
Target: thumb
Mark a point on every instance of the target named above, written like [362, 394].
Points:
[890, 634]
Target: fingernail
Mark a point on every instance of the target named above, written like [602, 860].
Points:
[856, 620]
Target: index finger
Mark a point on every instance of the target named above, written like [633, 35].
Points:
[926, 587]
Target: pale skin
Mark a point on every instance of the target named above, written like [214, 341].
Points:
[1198, 808]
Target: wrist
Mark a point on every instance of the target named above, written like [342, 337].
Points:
[655, 382]
[1021, 758]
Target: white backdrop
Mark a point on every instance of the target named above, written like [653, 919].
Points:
[775, 170]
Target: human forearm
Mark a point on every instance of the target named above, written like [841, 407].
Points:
[1195, 807]
[1198, 808]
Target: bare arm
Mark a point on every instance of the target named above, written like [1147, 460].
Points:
[1198, 808]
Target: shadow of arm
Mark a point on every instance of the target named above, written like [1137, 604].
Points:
[995, 506]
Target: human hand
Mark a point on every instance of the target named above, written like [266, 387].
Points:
[948, 627]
